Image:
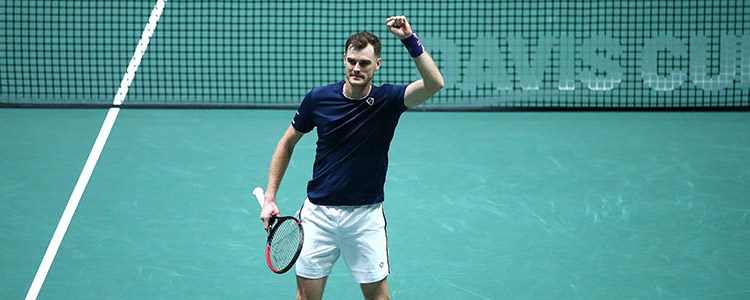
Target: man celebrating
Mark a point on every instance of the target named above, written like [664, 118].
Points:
[355, 120]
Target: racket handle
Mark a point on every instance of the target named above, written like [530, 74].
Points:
[258, 192]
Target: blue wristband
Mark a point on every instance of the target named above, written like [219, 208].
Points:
[413, 44]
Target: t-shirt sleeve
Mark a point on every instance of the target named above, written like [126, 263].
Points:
[398, 92]
[303, 120]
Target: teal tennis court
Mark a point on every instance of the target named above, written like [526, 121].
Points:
[590, 150]
[479, 205]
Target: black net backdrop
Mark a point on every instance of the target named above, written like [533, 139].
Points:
[493, 54]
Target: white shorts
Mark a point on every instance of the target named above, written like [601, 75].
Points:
[355, 232]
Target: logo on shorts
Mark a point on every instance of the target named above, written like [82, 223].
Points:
[381, 264]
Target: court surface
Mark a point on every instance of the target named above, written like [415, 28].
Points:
[479, 205]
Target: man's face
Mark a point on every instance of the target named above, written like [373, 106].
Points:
[361, 65]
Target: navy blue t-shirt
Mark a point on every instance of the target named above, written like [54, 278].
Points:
[354, 136]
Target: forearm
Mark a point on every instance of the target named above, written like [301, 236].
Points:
[432, 81]
[428, 69]
[279, 163]
[418, 91]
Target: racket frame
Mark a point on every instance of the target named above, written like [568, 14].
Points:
[277, 221]
[273, 225]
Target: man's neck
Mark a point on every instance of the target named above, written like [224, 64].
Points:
[356, 93]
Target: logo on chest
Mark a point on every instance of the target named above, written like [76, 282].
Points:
[370, 101]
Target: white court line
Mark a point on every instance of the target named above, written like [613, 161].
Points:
[96, 151]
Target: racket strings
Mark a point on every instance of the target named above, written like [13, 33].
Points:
[284, 244]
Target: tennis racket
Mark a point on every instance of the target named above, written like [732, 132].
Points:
[285, 237]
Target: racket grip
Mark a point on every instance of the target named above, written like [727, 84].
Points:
[258, 192]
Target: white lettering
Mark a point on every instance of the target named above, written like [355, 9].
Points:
[650, 61]
[600, 50]
[486, 66]
[530, 62]
[699, 63]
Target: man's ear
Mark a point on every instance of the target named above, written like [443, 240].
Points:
[377, 63]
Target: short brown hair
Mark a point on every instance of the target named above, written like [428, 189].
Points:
[360, 40]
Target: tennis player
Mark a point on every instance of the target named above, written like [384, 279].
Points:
[355, 121]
